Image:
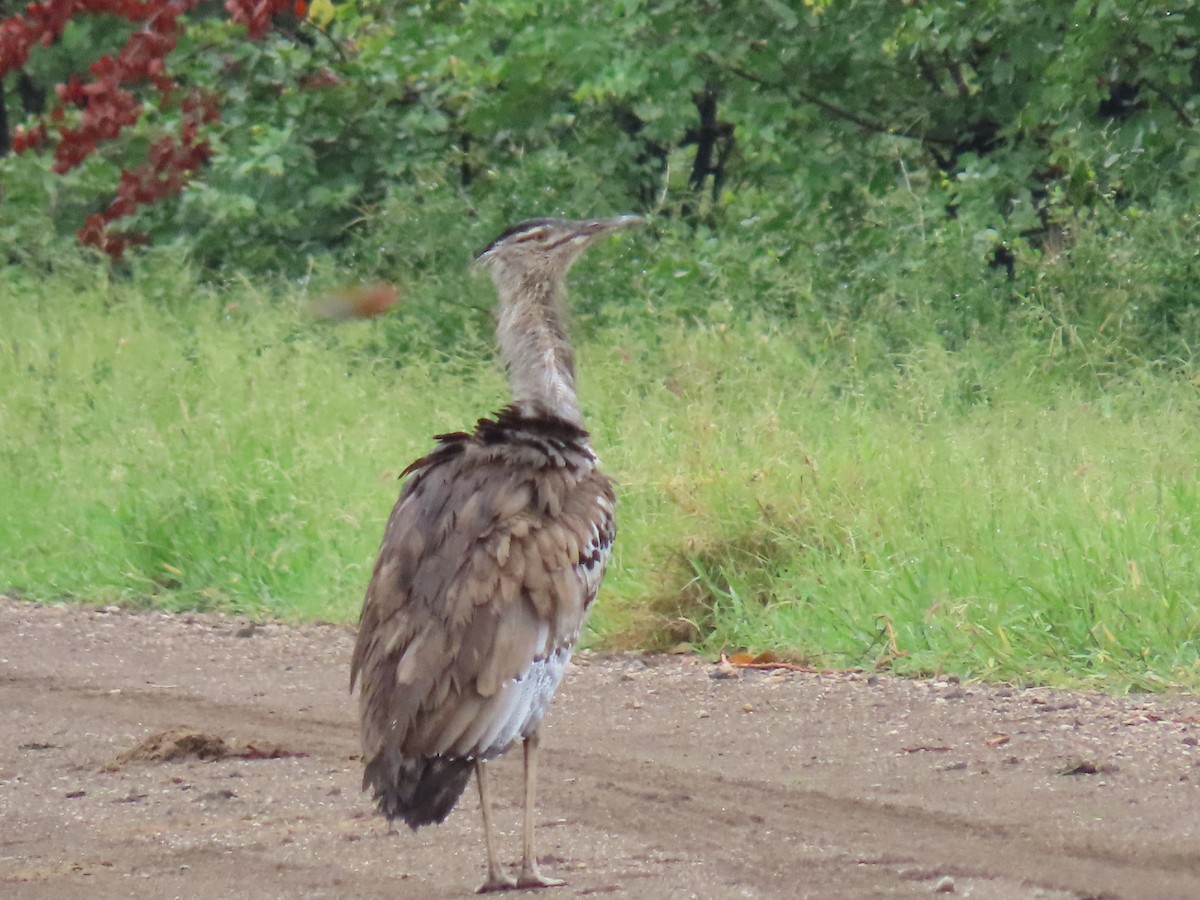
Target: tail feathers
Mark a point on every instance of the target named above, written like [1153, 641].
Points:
[420, 791]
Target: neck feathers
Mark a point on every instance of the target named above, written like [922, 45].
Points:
[534, 346]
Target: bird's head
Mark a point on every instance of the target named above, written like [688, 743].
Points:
[544, 248]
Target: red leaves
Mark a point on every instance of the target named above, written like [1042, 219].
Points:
[28, 138]
[170, 164]
[41, 24]
[95, 233]
[71, 92]
[108, 100]
[256, 14]
[108, 109]
[143, 56]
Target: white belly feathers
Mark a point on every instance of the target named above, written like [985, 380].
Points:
[515, 711]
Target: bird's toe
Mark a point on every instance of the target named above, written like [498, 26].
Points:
[496, 881]
[530, 877]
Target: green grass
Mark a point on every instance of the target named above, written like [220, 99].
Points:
[952, 516]
[219, 451]
[1002, 511]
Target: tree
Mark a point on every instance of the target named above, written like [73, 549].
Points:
[97, 107]
[1008, 115]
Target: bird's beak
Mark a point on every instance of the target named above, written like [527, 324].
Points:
[592, 231]
[603, 226]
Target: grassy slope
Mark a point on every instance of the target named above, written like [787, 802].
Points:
[781, 487]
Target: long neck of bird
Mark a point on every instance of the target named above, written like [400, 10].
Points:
[533, 343]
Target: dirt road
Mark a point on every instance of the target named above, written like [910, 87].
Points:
[658, 780]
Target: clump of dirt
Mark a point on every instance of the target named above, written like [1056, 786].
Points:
[187, 743]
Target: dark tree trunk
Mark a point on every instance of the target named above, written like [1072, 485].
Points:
[705, 136]
[714, 141]
[5, 141]
[465, 172]
[650, 164]
[33, 95]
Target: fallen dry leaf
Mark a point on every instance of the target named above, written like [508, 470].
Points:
[764, 661]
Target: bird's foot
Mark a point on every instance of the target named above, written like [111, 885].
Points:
[496, 880]
[530, 877]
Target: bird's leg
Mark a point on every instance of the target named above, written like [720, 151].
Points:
[497, 879]
[530, 877]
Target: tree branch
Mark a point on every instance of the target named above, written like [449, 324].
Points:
[833, 109]
[1180, 113]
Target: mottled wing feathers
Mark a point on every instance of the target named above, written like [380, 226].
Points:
[490, 559]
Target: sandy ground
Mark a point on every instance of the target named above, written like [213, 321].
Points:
[658, 779]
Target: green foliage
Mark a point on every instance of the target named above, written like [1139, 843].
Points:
[293, 171]
[1005, 120]
[901, 373]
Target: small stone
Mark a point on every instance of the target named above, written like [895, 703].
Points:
[945, 885]
[724, 670]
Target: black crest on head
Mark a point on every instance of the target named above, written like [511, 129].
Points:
[514, 229]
